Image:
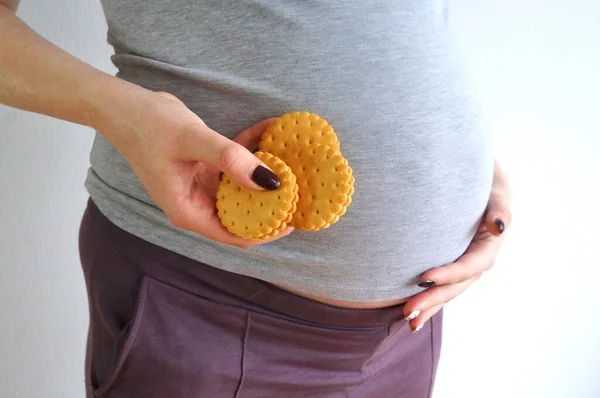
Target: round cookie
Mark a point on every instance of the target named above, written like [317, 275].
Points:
[295, 129]
[255, 214]
[325, 186]
[345, 207]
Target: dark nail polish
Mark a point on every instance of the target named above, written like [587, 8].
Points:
[427, 283]
[500, 225]
[265, 178]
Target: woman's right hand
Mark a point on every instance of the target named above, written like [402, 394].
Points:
[178, 159]
[175, 155]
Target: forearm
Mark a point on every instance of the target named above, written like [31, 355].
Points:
[37, 76]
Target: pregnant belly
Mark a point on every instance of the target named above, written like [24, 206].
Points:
[422, 184]
[411, 211]
[423, 169]
[422, 162]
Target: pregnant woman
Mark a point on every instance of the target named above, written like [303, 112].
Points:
[179, 307]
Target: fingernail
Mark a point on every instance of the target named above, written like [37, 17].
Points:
[265, 178]
[417, 329]
[427, 283]
[413, 315]
[500, 225]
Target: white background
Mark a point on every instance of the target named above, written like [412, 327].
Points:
[529, 328]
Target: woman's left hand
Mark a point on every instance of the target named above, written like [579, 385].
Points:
[448, 281]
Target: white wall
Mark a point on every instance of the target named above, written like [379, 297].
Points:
[43, 309]
[529, 328]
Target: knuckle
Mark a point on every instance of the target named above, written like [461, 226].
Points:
[430, 296]
[486, 261]
[463, 274]
[168, 96]
[230, 156]
[440, 297]
[457, 273]
[178, 221]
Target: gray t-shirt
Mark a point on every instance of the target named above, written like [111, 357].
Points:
[385, 76]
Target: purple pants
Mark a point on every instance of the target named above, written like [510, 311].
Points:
[165, 326]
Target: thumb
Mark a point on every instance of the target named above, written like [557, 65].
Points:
[250, 137]
[232, 157]
[169, 96]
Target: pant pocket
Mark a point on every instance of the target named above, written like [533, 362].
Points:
[124, 342]
[293, 359]
[178, 345]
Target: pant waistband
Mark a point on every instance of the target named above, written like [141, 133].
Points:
[229, 288]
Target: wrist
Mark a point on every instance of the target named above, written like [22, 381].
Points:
[113, 106]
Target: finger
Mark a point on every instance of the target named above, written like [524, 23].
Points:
[435, 296]
[226, 237]
[205, 221]
[498, 216]
[417, 323]
[480, 257]
[206, 145]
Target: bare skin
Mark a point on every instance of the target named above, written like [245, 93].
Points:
[178, 158]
